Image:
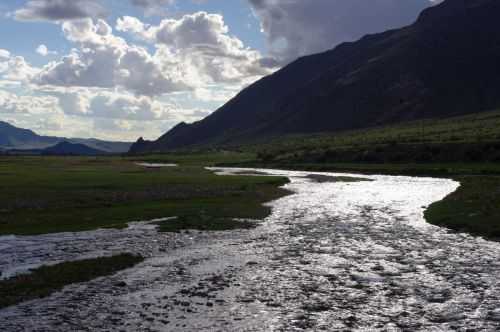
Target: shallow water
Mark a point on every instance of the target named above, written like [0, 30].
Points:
[156, 165]
[332, 256]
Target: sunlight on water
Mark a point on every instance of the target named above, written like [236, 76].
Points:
[156, 165]
[332, 256]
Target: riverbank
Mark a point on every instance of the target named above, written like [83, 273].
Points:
[41, 195]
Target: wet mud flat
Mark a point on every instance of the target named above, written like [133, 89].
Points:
[332, 256]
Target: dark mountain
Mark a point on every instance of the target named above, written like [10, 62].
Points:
[446, 63]
[13, 138]
[71, 149]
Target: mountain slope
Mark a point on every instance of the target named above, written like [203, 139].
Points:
[445, 64]
[13, 138]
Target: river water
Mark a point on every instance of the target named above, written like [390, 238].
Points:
[333, 256]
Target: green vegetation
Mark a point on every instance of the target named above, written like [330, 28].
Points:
[46, 280]
[474, 207]
[203, 222]
[424, 169]
[54, 194]
[197, 158]
[471, 138]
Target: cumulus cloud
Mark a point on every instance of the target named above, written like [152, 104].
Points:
[74, 103]
[190, 52]
[52, 123]
[4, 55]
[128, 107]
[97, 103]
[107, 61]
[16, 69]
[201, 45]
[44, 51]
[26, 104]
[59, 10]
[297, 27]
[215, 94]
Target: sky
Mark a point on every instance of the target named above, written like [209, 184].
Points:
[123, 69]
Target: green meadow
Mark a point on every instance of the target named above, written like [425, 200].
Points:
[56, 194]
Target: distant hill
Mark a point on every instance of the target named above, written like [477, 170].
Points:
[445, 64]
[13, 138]
[71, 149]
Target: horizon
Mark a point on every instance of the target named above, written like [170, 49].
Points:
[120, 70]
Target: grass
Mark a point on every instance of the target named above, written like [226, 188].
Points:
[41, 195]
[474, 207]
[477, 127]
[415, 169]
[204, 222]
[46, 280]
[197, 158]
[470, 138]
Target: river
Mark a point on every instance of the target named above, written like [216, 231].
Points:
[333, 256]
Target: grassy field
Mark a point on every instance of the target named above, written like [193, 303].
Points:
[46, 280]
[470, 138]
[54, 194]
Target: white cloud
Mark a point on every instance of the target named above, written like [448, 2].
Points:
[128, 107]
[107, 61]
[103, 103]
[4, 55]
[74, 103]
[53, 123]
[59, 10]
[27, 104]
[44, 51]
[16, 69]
[201, 45]
[216, 94]
[191, 52]
[297, 27]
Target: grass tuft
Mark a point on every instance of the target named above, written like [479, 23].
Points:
[46, 280]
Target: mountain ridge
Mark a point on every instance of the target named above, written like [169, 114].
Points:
[14, 138]
[445, 64]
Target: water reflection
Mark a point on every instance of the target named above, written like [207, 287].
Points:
[332, 256]
[156, 165]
